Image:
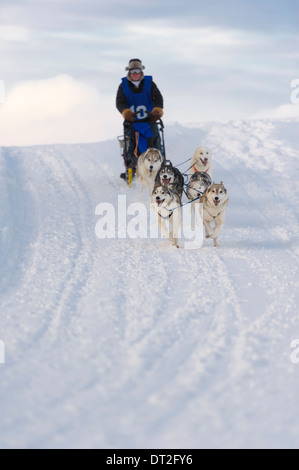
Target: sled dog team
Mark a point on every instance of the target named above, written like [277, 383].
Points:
[165, 184]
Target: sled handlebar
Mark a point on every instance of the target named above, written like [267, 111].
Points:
[148, 118]
[145, 119]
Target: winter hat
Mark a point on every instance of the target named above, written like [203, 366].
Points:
[135, 64]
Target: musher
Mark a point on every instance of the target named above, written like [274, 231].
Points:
[141, 104]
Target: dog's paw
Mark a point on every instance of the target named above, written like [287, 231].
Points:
[210, 234]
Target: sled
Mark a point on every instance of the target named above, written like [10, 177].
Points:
[129, 157]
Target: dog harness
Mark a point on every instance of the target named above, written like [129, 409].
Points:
[197, 171]
[214, 216]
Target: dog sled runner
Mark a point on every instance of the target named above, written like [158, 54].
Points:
[130, 145]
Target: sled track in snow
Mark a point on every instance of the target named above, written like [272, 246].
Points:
[17, 204]
[77, 244]
[56, 257]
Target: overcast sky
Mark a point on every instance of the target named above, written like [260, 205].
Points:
[62, 61]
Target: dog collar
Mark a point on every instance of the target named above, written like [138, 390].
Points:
[167, 217]
[197, 171]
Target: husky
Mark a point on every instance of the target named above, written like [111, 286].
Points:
[166, 204]
[170, 177]
[198, 184]
[202, 160]
[148, 165]
[215, 203]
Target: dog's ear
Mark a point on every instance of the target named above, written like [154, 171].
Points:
[155, 187]
[143, 155]
[224, 188]
[203, 197]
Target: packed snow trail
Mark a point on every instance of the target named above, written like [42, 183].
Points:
[123, 343]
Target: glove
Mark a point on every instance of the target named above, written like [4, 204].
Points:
[157, 113]
[128, 115]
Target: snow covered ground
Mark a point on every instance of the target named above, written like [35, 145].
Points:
[124, 343]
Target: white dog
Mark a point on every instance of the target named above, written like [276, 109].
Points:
[166, 204]
[148, 165]
[215, 203]
[202, 160]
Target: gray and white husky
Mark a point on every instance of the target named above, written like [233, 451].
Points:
[166, 205]
[148, 165]
[198, 184]
[171, 177]
[215, 203]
